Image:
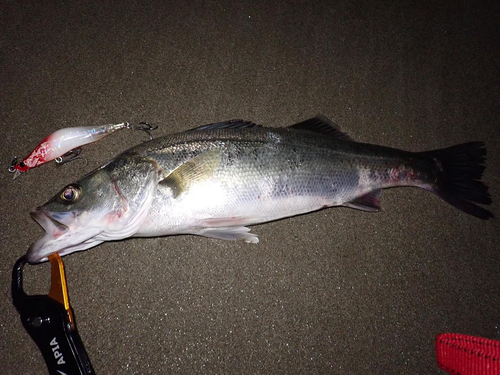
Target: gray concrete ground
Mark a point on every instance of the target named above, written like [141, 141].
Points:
[337, 291]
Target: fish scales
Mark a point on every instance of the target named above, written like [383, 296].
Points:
[263, 175]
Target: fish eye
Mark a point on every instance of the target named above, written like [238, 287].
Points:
[70, 193]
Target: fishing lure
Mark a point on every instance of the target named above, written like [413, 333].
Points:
[62, 142]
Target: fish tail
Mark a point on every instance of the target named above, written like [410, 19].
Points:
[459, 170]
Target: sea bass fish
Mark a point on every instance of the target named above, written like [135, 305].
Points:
[217, 179]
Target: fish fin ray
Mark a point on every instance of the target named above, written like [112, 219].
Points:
[230, 124]
[322, 125]
[229, 234]
[194, 170]
[368, 202]
[458, 182]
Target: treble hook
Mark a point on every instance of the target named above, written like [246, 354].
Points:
[71, 156]
[146, 127]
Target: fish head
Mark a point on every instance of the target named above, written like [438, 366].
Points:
[95, 209]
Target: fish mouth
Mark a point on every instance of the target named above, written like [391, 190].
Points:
[49, 223]
[60, 236]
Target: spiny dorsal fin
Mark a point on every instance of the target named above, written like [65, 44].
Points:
[197, 169]
[231, 124]
[368, 202]
[322, 125]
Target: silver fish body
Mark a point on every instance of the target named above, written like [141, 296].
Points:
[216, 180]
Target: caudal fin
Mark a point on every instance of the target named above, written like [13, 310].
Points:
[458, 182]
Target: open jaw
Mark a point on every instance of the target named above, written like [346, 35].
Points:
[60, 236]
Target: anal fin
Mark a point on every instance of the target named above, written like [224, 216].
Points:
[368, 202]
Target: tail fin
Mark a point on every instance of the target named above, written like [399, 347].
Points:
[458, 180]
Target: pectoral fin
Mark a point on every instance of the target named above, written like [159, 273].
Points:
[197, 169]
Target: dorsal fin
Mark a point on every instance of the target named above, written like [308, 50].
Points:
[322, 125]
[231, 124]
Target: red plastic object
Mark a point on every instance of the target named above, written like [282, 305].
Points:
[461, 354]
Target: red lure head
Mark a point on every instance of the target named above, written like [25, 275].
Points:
[21, 167]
